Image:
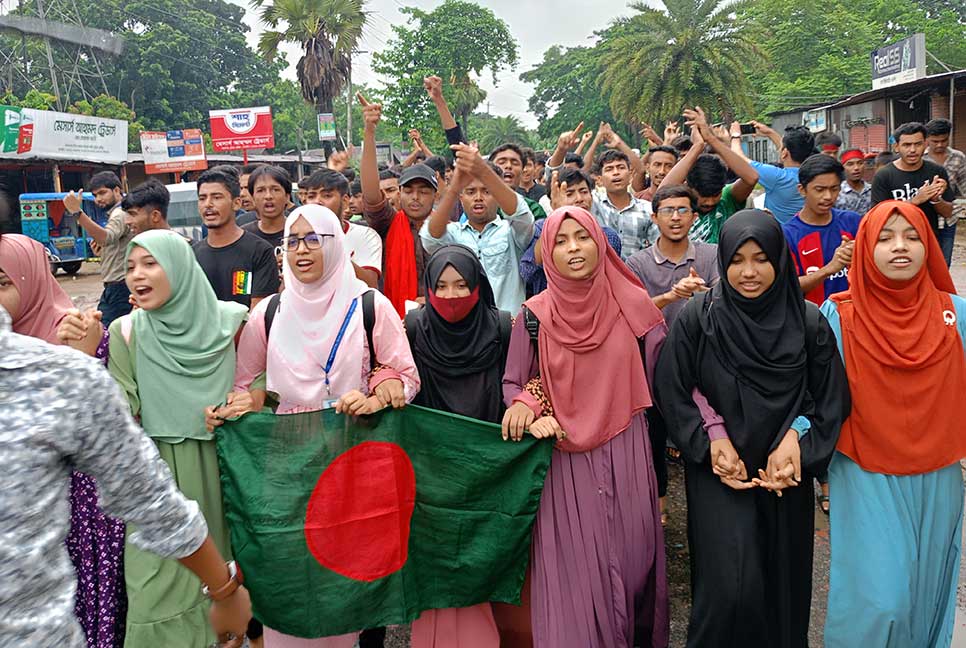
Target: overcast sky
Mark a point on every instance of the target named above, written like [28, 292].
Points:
[536, 25]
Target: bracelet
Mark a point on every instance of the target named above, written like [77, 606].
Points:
[235, 580]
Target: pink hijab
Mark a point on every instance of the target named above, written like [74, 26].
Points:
[309, 318]
[590, 363]
[43, 303]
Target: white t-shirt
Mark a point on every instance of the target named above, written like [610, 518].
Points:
[365, 247]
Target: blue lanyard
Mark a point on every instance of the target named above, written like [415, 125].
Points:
[335, 345]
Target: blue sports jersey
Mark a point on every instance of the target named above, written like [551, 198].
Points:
[813, 246]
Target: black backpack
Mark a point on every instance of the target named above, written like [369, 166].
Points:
[532, 324]
[368, 319]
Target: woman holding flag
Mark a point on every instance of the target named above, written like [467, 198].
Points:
[598, 571]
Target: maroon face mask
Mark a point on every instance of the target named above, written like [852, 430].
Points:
[454, 309]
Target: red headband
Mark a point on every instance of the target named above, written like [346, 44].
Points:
[852, 154]
[829, 147]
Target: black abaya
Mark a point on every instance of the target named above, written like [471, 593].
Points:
[760, 363]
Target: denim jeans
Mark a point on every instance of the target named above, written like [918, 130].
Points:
[946, 237]
[114, 302]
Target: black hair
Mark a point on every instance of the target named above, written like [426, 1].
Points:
[885, 157]
[104, 179]
[219, 175]
[827, 138]
[248, 169]
[573, 158]
[611, 155]
[388, 174]
[529, 155]
[327, 179]
[574, 177]
[506, 147]
[910, 128]
[541, 158]
[708, 176]
[276, 173]
[495, 169]
[437, 163]
[799, 142]
[682, 143]
[228, 168]
[817, 165]
[674, 191]
[939, 128]
[304, 183]
[349, 173]
[150, 194]
[670, 150]
[355, 188]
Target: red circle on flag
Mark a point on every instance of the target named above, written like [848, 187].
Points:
[358, 517]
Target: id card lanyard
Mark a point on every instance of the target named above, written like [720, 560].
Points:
[335, 345]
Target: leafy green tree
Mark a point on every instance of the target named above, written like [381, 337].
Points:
[457, 41]
[33, 99]
[658, 61]
[327, 30]
[566, 91]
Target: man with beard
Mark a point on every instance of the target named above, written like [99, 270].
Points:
[240, 265]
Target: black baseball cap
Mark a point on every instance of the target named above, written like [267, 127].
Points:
[419, 172]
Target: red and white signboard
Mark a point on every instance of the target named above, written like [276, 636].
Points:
[242, 128]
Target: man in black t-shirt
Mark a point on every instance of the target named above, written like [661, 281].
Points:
[240, 266]
[918, 181]
[271, 190]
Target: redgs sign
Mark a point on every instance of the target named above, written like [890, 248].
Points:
[242, 128]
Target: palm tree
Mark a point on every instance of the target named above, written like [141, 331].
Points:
[494, 131]
[695, 52]
[327, 30]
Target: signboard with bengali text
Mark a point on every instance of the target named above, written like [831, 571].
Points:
[173, 151]
[242, 128]
[45, 134]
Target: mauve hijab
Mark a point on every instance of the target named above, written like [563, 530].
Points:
[43, 303]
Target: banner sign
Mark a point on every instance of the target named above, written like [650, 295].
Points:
[242, 128]
[900, 62]
[173, 151]
[816, 120]
[63, 136]
[326, 127]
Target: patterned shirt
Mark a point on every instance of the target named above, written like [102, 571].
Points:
[633, 223]
[60, 410]
[955, 166]
[856, 201]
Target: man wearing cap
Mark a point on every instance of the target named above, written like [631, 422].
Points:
[404, 258]
[497, 224]
[856, 194]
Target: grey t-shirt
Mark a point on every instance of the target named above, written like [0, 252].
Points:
[659, 274]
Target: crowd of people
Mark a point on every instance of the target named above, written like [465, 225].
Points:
[627, 306]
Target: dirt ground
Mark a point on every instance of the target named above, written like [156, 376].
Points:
[85, 289]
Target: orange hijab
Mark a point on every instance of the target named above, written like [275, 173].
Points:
[903, 356]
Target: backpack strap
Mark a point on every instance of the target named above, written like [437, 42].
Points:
[369, 323]
[270, 312]
[532, 325]
[506, 328]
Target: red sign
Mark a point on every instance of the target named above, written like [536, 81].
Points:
[173, 151]
[242, 128]
[26, 140]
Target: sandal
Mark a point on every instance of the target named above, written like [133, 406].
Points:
[823, 503]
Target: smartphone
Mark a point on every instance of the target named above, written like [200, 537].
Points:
[748, 129]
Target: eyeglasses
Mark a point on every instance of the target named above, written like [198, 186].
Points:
[312, 240]
[671, 211]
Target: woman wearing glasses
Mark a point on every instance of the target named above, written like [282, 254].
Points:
[315, 354]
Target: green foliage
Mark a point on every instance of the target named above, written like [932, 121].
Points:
[567, 91]
[457, 41]
[33, 99]
[489, 132]
[692, 52]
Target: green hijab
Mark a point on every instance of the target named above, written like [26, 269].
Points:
[185, 354]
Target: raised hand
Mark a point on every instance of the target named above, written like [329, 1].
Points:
[434, 87]
[371, 112]
[651, 136]
[671, 130]
[72, 201]
[568, 141]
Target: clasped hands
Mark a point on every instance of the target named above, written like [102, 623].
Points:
[784, 468]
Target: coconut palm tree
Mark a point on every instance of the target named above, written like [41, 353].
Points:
[327, 31]
[693, 52]
[493, 131]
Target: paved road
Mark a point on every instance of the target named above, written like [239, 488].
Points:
[85, 289]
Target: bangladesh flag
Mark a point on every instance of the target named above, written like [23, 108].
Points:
[344, 523]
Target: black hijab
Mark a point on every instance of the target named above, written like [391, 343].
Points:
[747, 356]
[460, 364]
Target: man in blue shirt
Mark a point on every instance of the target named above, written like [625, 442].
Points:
[497, 224]
[781, 183]
[821, 237]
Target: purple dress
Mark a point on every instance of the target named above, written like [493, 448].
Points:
[598, 572]
[96, 547]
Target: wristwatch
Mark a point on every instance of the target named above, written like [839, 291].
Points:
[235, 580]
